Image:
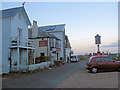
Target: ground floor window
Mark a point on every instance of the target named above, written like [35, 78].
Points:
[42, 54]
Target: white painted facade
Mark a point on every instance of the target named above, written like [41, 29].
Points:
[61, 36]
[68, 49]
[5, 43]
[38, 50]
[68, 54]
[0, 45]
[60, 33]
[49, 50]
[14, 28]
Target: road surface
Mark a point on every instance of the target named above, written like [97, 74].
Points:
[71, 75]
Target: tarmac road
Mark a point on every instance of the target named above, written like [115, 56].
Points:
[71, 75]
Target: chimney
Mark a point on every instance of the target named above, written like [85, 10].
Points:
[34, 29]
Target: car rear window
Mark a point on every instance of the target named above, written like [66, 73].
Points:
[108, 59]
[99, 59]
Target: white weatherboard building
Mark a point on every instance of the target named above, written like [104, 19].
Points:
[16, 48]
[67, 48]
[58, 31]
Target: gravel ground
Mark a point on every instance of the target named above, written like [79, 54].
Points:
[84, 79]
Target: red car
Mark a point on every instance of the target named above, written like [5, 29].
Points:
[97, 63]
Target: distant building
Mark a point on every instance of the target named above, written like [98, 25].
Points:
[15, 43]
[48, 46]
[67, 48]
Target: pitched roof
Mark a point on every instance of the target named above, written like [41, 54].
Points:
[42, 33]
[13, 11]
[51, 28]
[67, 43]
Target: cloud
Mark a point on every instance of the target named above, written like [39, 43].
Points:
[115, 44]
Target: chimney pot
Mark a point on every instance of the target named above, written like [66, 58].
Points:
[34, 22]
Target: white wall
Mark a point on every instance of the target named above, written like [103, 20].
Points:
[60, 35]
[19, 23]
[6, 30]
[68, 53]
[10, 29]
[0, 45]
[39, 50]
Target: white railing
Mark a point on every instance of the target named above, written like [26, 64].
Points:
[16, 41]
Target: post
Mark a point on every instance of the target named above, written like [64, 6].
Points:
[98, 41]
[98, 48]
[17, 58]
[34, 56]
[27, 55]
[12, 64]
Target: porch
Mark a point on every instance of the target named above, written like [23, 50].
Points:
[22, 53]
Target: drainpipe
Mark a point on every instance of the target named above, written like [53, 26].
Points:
[47, 50]
[27, 52]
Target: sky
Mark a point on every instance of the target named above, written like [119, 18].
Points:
[83, 20]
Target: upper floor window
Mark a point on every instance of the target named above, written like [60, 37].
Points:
[51, 42]
[19, 32]
[57, 44]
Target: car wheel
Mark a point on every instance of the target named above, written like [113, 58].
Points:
[94, 70]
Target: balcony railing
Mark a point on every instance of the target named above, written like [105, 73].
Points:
[16, 41]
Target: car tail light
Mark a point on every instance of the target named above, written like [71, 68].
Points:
[88, 64]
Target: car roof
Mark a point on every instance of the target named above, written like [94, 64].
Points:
[101, 56]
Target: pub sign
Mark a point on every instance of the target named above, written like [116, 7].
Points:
[97, 39]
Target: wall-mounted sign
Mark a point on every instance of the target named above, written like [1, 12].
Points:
[97, 39]
[58, 49]
[53, 50]
[42, 43]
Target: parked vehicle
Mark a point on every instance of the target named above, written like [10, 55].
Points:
[97, 63]
[73, 59]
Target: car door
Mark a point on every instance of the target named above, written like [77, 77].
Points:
[101, 64]
[111, 64]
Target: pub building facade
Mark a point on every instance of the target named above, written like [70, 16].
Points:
[47, 46]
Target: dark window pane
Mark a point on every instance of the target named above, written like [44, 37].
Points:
[108, 60]
[99, 60]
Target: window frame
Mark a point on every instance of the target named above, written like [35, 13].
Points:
[100, 59]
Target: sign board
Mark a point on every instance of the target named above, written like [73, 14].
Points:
[98, 54]
[53, 50]
[42, 43]
[58, 49]
[97, 39]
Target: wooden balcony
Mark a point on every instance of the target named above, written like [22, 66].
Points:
[21, 42]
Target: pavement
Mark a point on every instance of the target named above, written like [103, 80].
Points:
[71, 75]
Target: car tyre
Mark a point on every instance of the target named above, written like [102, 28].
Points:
[94, 70]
